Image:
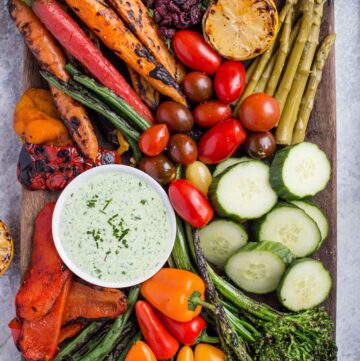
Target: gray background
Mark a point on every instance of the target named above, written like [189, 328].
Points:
[348, 115]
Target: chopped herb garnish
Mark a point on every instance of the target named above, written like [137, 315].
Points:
[106, 254]
[143, 201]
[107, 202]
[91, 203]
[112, 218]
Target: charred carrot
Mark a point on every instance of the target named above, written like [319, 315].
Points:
[135, 15]
[51, 58]
[149, 95]
[116, 36]
[69, 34]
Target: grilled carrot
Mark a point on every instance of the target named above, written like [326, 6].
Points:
[51, 58]
[116, 36]
[135, 15]
[39, 339]
[69, 34]
[149, 95]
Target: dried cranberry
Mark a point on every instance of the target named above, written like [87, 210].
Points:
[184, 21]
[189, 4]
[195, 15]
[167, 33]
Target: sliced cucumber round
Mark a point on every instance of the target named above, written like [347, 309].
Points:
[220, 239]
[228, 163]
[314, 211]
[243, 191]
[306, 284]
[290, 226]
[258, 266]
[300, 171]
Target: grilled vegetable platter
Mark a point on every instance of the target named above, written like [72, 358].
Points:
[181, 123]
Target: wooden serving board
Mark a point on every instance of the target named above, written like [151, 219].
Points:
[322, 130]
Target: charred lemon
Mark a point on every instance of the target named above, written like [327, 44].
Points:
[6, 248]
[240, 29]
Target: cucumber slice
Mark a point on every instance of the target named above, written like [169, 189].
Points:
[290, 226]
[258, 266]
[220, 239]
[306, 284]
[228, 163]
[243, 191]
[313, 211]
[300, 171]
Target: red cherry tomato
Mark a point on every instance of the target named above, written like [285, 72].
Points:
[221, 141]
[259, 112]
[230, 81]
[154, 140]
[210, 113]
[192, 50]
[190, 203]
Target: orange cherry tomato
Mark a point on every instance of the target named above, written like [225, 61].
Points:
[259, 112]
[140, 351]
[154, 140]
[211, 113]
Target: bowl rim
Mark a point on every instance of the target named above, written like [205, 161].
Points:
[83, 178]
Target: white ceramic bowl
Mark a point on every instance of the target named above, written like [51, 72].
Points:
[83, 178]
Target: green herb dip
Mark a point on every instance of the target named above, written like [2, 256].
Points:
[115, 227]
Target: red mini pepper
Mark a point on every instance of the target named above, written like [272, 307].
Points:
[188, 333]
[161, 342]
[15, 328]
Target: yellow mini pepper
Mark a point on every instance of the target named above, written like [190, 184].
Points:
[185, 354]
[176, 293]
[205, 352]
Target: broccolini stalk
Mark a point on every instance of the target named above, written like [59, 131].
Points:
[296, 53]
[233, 345]
[288, 118]
[265, 57]
[307, 102]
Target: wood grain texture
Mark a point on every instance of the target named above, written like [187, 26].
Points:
[322, 130]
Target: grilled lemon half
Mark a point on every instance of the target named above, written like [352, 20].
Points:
[6, 248]
[240, 29]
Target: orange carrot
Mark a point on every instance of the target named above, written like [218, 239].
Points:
[135, 15]
[51, 58]
[116, 36]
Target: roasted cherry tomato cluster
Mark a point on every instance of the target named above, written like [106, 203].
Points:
[211, 86]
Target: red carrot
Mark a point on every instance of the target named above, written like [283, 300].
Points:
[69, 34]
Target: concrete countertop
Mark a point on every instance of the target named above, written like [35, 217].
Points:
[348, 135]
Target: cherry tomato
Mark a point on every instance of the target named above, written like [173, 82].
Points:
[177, 117]
[161, 168]
[199, 175]
[182, 149]
[198, 86]
[221, 141]
[260, 145]
[154, 140]
[140, 351]
[190, 203]
[259, 112]
[229, 81]
[192, 50]
[210, 113]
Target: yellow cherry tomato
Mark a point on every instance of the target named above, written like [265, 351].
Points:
[185, 354]
[198, 174]
[140, 351]
[205, 352]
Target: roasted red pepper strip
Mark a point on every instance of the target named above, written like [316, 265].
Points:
[187, 333]
[161, 342]
[15, 328]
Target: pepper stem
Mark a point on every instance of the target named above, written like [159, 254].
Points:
[204, 337]
[195, 301]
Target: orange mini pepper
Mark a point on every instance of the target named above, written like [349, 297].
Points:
[178, 294]
[205, 352]
[185, 354]
[140, 351]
